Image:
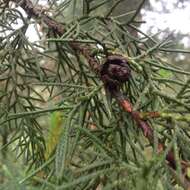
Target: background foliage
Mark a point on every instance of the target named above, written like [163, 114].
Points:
[57, 122]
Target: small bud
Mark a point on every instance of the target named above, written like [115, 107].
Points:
[115, 71]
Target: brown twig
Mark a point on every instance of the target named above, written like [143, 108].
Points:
[38, 13]
[147, 130]
[148, 133]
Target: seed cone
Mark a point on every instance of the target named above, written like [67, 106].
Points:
[115, 71]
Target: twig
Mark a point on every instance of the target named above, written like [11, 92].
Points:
[148, 131]
[36, 12]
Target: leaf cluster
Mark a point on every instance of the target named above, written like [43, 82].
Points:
[100, 145]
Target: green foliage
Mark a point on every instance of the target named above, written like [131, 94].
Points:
[92, 143]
